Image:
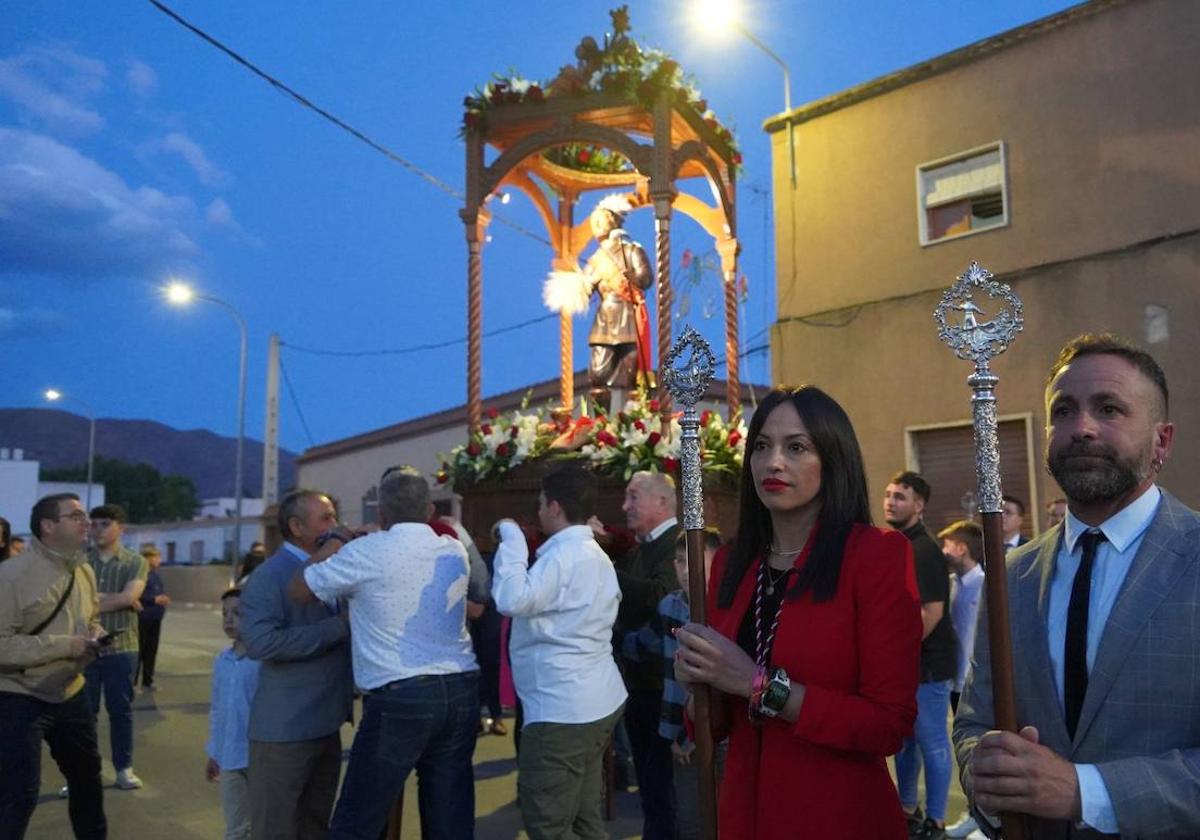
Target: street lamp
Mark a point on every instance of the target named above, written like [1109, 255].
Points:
[54, 395]
[181, 294]
[722, 14]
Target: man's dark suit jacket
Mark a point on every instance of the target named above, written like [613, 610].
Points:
[645, 577]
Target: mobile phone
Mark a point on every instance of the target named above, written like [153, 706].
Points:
[105, 641]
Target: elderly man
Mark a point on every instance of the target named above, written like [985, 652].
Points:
[1104, 610]
[120, 579]
[645, 577]
[304, 686]
[49, 621]
[407, 593]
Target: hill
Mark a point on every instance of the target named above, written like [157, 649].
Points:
[60, 439]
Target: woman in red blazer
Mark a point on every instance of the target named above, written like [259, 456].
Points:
[814, 638]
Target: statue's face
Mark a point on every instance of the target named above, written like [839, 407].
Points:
[603, 223]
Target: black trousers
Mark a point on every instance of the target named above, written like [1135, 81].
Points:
[70, 730]
[148, 635]
[652, 764]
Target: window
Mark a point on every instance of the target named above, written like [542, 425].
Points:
[170, 552]
[196, 552]
[962, 194]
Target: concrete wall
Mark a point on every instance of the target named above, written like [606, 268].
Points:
[1099, 120]
[210, 534]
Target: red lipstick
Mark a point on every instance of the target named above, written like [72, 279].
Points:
[773, 485]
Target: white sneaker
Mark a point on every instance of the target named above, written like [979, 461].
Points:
[962, 828]
[976, 835]
[64, 792]
[128, 780]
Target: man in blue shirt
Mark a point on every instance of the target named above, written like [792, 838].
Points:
[1103, 610]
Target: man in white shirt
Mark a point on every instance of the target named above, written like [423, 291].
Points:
[563, 609]
[407, 592]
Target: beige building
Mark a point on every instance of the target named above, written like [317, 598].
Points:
[349, 469]
[1064, 156]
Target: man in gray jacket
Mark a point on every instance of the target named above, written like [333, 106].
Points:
[304, 688]
[1104, 609]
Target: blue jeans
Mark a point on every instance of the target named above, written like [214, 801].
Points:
[114, 673]
[429, 723]
[69, 728]
[930, 746]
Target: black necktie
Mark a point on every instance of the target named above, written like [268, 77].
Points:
[1075, 670]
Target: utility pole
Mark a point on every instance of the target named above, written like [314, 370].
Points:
[270, 491]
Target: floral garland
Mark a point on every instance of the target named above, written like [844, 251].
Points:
[619, 446]
[621, 67]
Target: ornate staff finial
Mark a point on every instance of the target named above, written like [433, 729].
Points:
[687, 372]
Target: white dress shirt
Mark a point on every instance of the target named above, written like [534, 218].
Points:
[407, 590]
[964, 610]
[1124, 531]
[563, 609]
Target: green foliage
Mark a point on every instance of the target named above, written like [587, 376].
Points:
[145, 493]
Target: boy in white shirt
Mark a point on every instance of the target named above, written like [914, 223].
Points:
[563, 609]
[235, 679]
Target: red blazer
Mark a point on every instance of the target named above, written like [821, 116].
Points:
[857, 655]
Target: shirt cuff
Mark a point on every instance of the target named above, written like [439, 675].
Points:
[1096, 805]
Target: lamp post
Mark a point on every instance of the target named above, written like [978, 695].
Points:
[716, 14]
[54, 395]
[181, 294]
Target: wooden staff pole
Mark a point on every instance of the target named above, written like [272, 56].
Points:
[687, 371]
[980, 342]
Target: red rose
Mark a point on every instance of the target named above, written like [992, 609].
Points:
[734, 437]
[622, 416]
[737, 158]
[493, 412]
[670, 464]
[515, 431]
[653, 439]
[639, 425]
[473, 449]
[705, 416]
[654, 406]
[442, 477]
[701, 105]
[584, 156]
[485, 429]
[504, 449]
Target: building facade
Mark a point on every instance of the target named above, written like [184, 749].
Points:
[1062, 157]
[20, 489]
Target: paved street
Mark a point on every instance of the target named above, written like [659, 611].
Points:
[171, 727]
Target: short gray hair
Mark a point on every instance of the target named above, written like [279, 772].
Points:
[403, 495]
[661, 484]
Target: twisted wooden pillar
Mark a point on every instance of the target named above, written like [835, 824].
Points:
[728, 249]
[662, 279]
[566, 260]
[476, 223]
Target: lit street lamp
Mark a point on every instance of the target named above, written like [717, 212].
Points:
[53, 395]
[181, 294]
[722, 14]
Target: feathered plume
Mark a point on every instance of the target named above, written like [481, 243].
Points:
[615, 203]
[567, 291]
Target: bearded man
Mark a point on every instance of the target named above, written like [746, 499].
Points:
[1104, 608]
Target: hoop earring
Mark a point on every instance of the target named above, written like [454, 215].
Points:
[1157, 464]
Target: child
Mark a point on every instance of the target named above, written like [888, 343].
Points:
[235, 679]
[658, 638]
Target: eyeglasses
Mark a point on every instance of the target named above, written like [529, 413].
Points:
[74, 516]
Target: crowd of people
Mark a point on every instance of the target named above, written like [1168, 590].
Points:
[831, 644]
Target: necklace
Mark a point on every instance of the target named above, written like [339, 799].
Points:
[773, 581]
[762, 638]
[790, 553]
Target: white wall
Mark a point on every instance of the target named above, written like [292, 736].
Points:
[20, 490]
[199, 541]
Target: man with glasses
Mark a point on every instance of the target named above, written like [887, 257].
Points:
[120, 578]
[49, 624]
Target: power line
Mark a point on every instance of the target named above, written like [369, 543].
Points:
[287, 380]
[416, 348]
[342, 124]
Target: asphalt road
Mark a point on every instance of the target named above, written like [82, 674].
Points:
[171, 726]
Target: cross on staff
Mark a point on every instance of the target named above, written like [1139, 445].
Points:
[978, 341]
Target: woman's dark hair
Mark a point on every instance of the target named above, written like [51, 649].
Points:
[842, 497]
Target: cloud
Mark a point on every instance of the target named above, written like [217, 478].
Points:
[192, 153]
[50, 86]
[17, 323]
[62, 213]
[141, 78]
[220, 214]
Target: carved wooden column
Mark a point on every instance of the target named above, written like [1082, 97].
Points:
[476, 224]
[662, 193]
[565, 260]
[728, 248]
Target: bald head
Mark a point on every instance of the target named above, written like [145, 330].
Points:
[649, 501]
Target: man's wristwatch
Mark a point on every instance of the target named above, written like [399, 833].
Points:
[776, 694]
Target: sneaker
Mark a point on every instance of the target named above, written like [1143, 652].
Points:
[977, 835]
[931, 830]
[916, 822]
[64, 792]
[128, 780]
[963, 828]
[498, 728]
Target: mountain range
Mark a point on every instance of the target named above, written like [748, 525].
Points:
[60, 439]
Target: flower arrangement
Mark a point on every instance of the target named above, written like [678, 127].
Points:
[621, 68]
[587, 157]
[631, 441]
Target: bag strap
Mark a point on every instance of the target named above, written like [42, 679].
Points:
[57, 607]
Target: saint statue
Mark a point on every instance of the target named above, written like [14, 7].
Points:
[619, 272]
